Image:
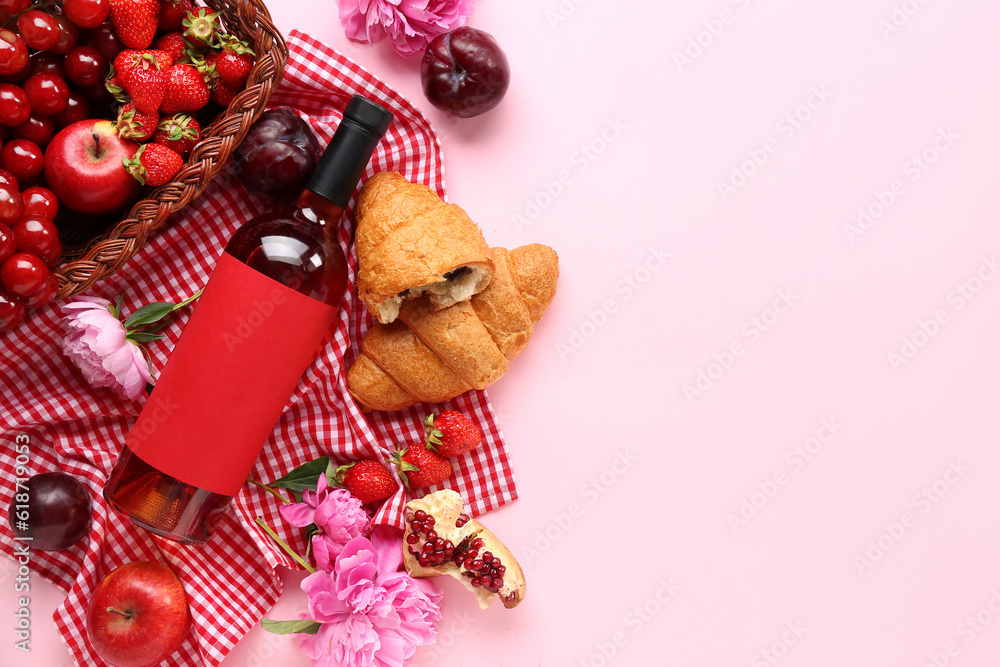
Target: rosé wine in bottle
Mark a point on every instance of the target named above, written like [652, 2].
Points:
[270, 302]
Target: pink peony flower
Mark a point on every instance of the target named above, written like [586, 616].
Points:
[97, 343]
[339, 516]
[370, 612]
[410, 24]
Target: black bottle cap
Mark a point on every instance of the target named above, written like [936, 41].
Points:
[344, 160]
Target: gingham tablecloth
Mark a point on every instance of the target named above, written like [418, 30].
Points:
[70, 426]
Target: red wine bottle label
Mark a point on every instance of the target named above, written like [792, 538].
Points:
[245, 348]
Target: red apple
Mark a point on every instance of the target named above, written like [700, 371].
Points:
[83, 166]
[138, 615]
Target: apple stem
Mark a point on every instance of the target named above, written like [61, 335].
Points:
[119, 612]
[97, 144]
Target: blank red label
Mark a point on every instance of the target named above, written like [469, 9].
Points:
[240, 357]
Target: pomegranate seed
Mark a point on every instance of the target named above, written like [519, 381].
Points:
[429, 520]
[477, 543]
[431, 536]
[500, 570]
[487, 556]
[439, 544]
[462, 520]
[497, 583]
[477, 582]
[420, 515]
[412, 538]
[477, 565]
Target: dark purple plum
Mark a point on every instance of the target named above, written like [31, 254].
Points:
[465, 72]
[278, 155]
[57, 514]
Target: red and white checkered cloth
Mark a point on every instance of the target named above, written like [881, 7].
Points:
[73, 427]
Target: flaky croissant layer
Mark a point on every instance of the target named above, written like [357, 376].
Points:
[411, 244]
[433, 355]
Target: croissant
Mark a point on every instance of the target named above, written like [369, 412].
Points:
[432, 356]
[411, 243]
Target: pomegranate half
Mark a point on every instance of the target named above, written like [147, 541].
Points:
[441, 539]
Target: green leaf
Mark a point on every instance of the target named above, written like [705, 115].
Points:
[154, 312]
[116, 310]
[144, 336]
[305, 626]
[305, 477]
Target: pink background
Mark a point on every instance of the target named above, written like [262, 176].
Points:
[752, 429]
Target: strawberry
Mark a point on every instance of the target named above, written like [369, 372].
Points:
[186, 90]
[451, 433]
[179, 133]
[135, 21]
[223, 94]
[420, 467]
[201, 27]
[234, 62]
[153, 164]
[174, 44]
[134, 124]
[173, 13]
[368, 480]
[142, 75]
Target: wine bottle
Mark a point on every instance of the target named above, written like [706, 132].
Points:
[270, 302]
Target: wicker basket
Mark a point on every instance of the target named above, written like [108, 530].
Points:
[102, 256]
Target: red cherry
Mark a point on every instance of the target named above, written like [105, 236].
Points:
[86, 13]
[105, 39]
[69, 35]
[22, 158]
[14, 6]
[85, 66]
[45, 295]
[24, 274]
[38, 29]
[38, 236]
[11, 205]
[47, 93]
[13, 53]
[14, 105]
[46, 61]
[11, 311]
[7, 243]
[37, 129]
[77, 109]
[7, 180]
[41, 202]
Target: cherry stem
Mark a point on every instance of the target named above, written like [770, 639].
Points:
[119, 612]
